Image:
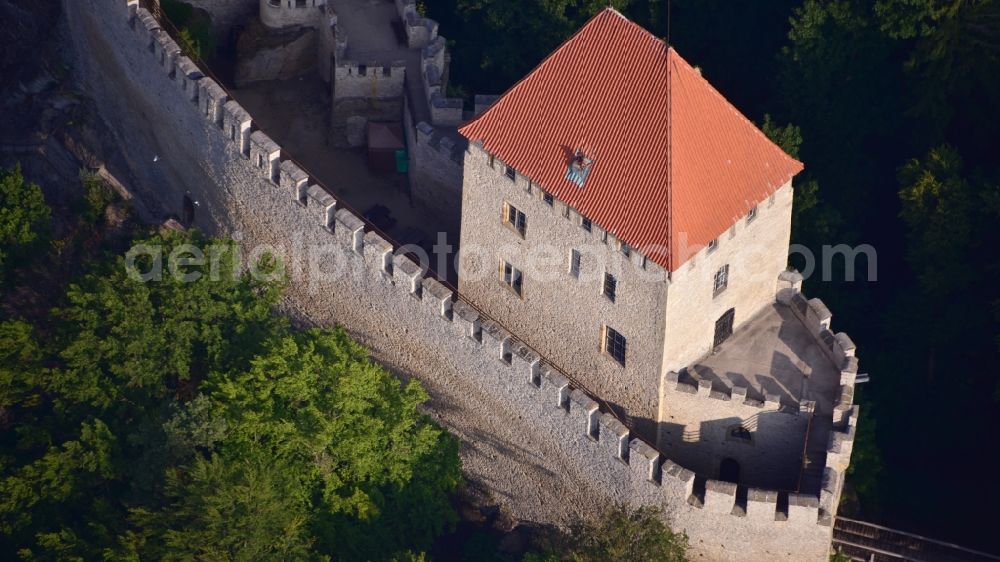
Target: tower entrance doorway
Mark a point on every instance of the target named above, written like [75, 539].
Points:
[729, 471]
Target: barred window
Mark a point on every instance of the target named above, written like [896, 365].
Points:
[615, 344]
[610, 286]
[511, 276]
[574, 263]
[721, 280]
[515, 219]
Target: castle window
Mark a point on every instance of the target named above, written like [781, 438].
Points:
[300, 3]
[274, 3]
[610, 287]
[574, 263]
[614, 345]
[579, 168]
[260, 160]
[492, 160]
[752, 214]
[732, 232]
[386, 71]
[770, 201]
[511, 173]
[721, 280]
[547, 197]
[604, 237]
[511, 277]
[739, 433]
[625, 249]
[713, 245]
[527, 187]
[644, 260]
[362, 70]
[515, 219]
[585, 223]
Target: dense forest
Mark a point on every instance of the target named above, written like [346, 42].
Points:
[893, 106]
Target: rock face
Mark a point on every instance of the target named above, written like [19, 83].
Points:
[267, 54]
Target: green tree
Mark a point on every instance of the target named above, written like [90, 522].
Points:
[619, 534]
[183, 419]
[24, 218]
[956, 55]
[243, 508]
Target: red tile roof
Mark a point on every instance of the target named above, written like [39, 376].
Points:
[675, 164]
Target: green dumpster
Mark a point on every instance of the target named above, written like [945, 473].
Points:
[402, 162]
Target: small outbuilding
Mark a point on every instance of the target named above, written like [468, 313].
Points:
[386, 148]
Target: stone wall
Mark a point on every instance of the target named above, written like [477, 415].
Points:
[419, 30]
[756, 252]
[369, 80]
[284, 13]
[436, 180]
[696, 433]
[563, 314]
[541, 446]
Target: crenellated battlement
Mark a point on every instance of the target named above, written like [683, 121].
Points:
[285, 13]
[617, 465]
[419, 30]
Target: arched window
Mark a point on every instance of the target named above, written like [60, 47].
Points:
[739, 433]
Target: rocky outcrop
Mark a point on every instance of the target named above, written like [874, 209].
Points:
[268, 54]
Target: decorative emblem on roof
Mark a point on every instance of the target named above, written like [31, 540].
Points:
[579, 168]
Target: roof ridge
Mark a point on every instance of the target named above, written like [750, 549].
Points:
[542, 63]
[729, 105]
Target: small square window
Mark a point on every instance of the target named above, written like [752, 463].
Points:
[610, 288]
[721, 280]
[625, 249]
[585, 223]
[547, 197]
[575, 260]
[511, 173]
[515, 219]
[615, 345]
[752, 214]
[713, 245]
[511, 277]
